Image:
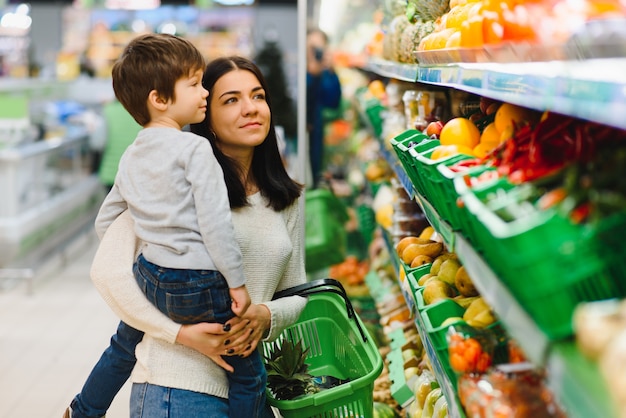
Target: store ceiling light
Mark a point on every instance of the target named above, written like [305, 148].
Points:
[132, 4]
[18, 19]
[234, 2]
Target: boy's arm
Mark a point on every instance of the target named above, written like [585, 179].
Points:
[209, 191]
[113, 205]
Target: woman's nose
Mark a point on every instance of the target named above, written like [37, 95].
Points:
[248, 107]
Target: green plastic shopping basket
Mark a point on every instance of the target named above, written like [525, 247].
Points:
[340, 346]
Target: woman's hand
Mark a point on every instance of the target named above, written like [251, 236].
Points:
[259, 321]
[213, 339]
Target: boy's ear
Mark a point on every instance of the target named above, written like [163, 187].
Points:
[156, 101]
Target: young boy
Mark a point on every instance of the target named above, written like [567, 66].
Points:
[190, 265]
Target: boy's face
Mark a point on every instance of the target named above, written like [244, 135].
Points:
[190, 103]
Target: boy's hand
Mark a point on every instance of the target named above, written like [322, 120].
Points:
[241, 300]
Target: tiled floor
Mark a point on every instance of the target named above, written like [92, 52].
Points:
[51, 337]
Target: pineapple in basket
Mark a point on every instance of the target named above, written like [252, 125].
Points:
[427, 9]
[287, 372]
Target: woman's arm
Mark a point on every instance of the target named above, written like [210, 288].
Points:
[285, 312]
[111, 273]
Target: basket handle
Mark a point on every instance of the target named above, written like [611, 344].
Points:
[321, 286]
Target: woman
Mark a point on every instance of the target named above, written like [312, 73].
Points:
[178, 380]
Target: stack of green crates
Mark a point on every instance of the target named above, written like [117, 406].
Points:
[412, 141]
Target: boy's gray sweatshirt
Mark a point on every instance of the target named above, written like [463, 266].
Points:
[174, 189]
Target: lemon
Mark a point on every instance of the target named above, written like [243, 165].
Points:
[460, 132]
[509, 115]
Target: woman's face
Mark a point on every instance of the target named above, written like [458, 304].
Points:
[240, 115]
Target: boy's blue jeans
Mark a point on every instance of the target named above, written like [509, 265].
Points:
[187, 297]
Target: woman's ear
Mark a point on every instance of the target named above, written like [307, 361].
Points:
[156, 101]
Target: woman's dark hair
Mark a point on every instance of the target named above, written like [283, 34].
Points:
[267, 165]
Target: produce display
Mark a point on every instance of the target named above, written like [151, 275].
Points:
[532, 198]
[444, 31]
[531, 170]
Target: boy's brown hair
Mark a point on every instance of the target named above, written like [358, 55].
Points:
[152, 62]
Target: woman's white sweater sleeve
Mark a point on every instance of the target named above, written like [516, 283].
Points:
[112, 275]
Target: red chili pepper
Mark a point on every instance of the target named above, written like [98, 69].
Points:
[552, 198]
[531, 173]
[580, 213]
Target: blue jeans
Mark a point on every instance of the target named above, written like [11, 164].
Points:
[192, 296]
[246, 385]
[152, 401]
[109, 374]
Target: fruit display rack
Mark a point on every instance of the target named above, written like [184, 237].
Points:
[591, 89]
[577, 89]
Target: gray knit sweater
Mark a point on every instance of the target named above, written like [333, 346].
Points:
[271, 244]
[174, 189]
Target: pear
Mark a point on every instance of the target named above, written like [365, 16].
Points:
[425, 278]
[447, 270]
[405, 242]
[430, 249]
[482, 320]
[478, 314]
[434, 268]
[464, 301]
[451, 320]
[464, 284]
[436, 290]
[420, 260]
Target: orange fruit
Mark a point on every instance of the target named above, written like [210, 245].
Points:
[490, 135]
[493, 31]
[483, 149]
[445, 151]
[510, 115]
[472, 32]
[460, 131]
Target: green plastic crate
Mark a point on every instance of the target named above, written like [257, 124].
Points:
[401, 144]
[445, 197]
[415, 275]
[470, 226]
[434, 315]
[546, 260]
[428, 173]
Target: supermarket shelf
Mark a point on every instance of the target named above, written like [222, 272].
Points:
[397, 168]
[39, 88]
[577, 383]
[404, 72]
[442, 227]
[591, 89]
[448, 389]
